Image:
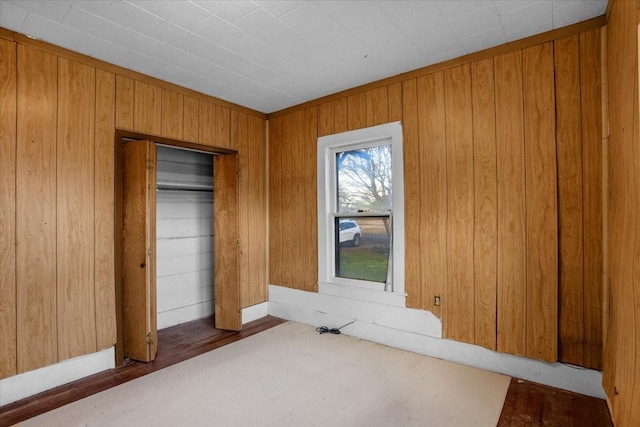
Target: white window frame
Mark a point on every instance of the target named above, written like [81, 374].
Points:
[328, 146]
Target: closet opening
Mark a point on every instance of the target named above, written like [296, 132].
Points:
[184, 236]
[176, 240]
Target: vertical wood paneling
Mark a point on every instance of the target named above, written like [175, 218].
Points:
[258, 212]
[223, 128]
[288, 232]
[75, 210]
[541, 203]
[275, 202]
[191, 119]
[309, 137]
[377, 106]
[622, 356]
[569, 140]
[326, 119]
[486, 214]
[125, 95]
[394, 93]
[172, 114]
[357, 111]
[340, 106]
[36, 203]
[433, 190]
[460, 204]
[104, 211]
[147, 113]
[7, 208]
[207, 123]
[297, 200]
[511, 309]
[239, 138]
[411, 157]
[592, 196]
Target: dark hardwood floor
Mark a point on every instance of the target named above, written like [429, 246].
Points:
[530, 404]
[526, 404]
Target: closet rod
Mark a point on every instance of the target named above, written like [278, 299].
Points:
[184, 186]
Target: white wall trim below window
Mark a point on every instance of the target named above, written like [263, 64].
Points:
[413, 330]
[33, 382]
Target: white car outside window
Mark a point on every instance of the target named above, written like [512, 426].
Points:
[350, 232]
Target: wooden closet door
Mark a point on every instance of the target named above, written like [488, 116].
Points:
[225, 242]
[139, 250]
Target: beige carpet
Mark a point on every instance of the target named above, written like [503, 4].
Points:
[292, 376]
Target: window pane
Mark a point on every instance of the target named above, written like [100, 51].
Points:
[362, 248]
[363, 179]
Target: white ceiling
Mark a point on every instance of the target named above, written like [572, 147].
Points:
[269, 55]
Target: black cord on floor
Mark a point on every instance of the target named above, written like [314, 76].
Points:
[323, 329]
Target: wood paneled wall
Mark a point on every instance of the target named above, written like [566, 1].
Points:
[621, 378]
[58, 115]
[503, 194]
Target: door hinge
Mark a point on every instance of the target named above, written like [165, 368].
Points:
[149, 164]
[149, 339]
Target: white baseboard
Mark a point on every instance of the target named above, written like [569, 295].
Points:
[388, 325]
[254, 312]
[33, 382]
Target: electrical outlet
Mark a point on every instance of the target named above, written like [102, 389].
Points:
[436, 300]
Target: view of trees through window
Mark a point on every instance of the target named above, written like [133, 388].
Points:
[364, 179]
[363, 243]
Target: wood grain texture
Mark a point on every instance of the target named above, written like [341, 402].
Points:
[104, 210]
[326, 124]
[357, 111]
[622, 356]
[75, 192]
[172, 114]
[591, 82]
[8, 88]
[340, 106]
[377, 104]
[240, 138]
[287, 232]
[191, 119]
[147, 113]
[296, 198]
[258, 210]
[571, 245]
[394, 94]
[485, 186]
[207, 123]
[529, 404]
[541, 203]
[275, 202]
[138, 264]
[36, 310]
[125, 96]
[460, 204]
[223, 128]
[411, 157]
[511, 313]
[225, 228]
[309, 137]
[433, 190]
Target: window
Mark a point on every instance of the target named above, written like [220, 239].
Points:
[360, 209]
